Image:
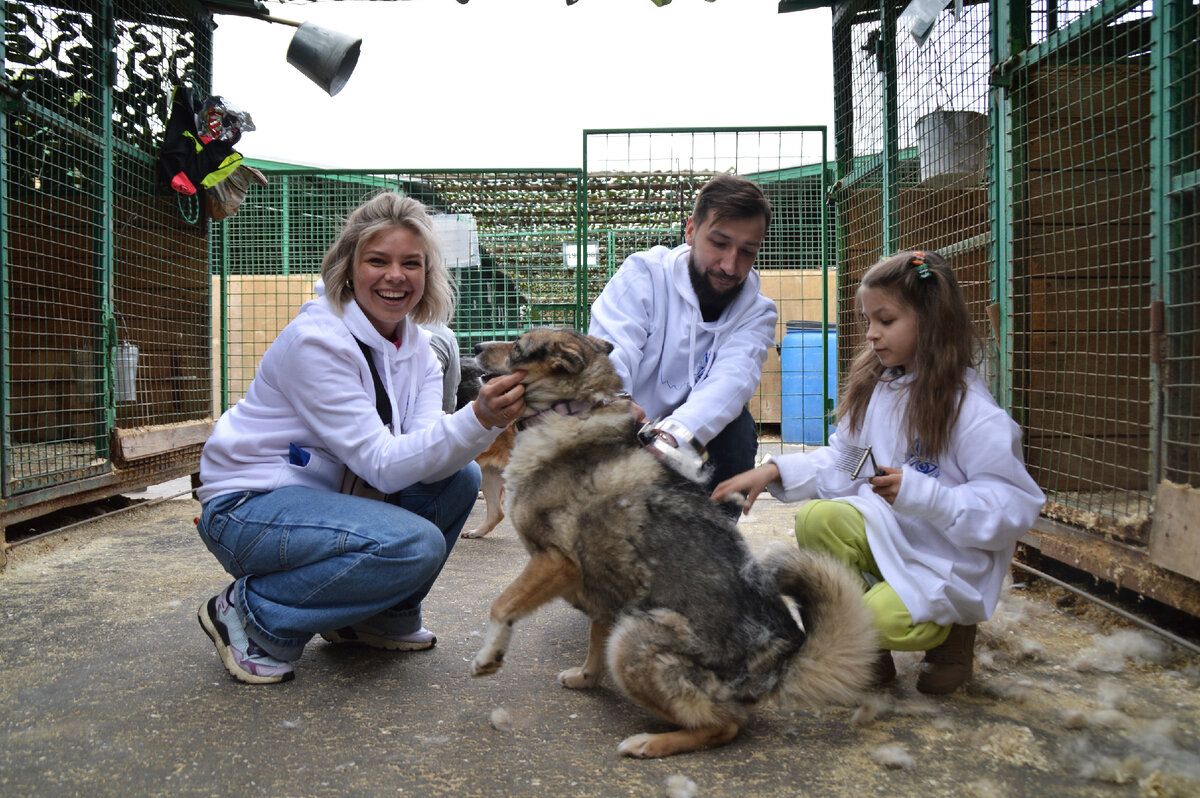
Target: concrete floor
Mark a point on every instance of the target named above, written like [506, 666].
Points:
[109, 687]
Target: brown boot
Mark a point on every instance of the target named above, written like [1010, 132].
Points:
[948, 667]
[883, 671]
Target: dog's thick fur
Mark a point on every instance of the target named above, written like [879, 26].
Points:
[695, 628]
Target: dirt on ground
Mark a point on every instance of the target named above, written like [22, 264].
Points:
[109, 687]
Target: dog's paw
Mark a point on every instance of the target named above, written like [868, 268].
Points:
[577, 678]
[484, 665]
[478, 531]
[639, 746]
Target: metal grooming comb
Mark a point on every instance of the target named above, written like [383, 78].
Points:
[853, 458]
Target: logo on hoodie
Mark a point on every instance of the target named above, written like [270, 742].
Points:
[703, 367]
[919, 463]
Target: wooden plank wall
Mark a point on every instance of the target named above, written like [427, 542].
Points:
[56, 339]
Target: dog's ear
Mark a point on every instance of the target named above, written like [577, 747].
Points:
[600, 345]
[566, 359]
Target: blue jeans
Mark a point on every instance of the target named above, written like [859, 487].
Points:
[308, 561]
[731, 452]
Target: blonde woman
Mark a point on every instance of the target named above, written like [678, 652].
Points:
[349, 389]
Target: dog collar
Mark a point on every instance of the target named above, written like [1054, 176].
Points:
[565, 407]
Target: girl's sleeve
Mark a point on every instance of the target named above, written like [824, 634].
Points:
[997, 502]
[811, 475]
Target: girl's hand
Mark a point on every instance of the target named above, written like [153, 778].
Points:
[751, 483]
[888, 485]
[501, 400]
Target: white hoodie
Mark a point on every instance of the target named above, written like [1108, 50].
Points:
[945, 544]
[672, 362]
[313, 389]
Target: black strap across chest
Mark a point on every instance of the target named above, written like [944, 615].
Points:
[382, 405]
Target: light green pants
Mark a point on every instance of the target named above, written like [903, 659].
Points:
[837, 528]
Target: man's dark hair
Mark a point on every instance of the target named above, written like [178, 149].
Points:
[731, 197]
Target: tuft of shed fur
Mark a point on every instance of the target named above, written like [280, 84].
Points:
[834, 664]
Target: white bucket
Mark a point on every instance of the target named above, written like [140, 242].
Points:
[124, 358]
[953, 147]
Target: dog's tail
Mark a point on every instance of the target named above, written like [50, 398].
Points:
[835, 663]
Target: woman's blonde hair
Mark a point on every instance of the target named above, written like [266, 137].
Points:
[946, 348]
[379, 214]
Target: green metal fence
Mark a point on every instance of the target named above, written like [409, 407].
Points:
[1050, 150]
[652, 176]
[99, 268]
[526, 247]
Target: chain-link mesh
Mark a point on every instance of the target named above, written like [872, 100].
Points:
[642, 185]
[95, 261]
[509, 238]
[1181, 107]
[1081, 271]
[912, 151]
[1097, 225]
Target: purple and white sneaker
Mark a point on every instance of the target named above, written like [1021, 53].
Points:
[414, 641]
[244, 660]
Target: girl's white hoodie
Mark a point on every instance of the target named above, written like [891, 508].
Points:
[313, 389]
[672, 362]
[945, 544]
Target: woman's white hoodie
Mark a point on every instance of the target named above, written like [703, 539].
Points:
[313, 389]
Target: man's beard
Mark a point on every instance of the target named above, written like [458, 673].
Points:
[712, 302]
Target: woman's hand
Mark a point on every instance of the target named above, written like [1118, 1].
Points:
[751, 483]
[501, 400]
[888, 485]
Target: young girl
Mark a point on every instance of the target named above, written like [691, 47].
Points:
[933, 530]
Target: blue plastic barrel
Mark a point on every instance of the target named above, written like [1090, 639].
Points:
[805, 389]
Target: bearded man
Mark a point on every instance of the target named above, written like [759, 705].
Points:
[690, 329]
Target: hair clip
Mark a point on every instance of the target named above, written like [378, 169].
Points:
[918, 260]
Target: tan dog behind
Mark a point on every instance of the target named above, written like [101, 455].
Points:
[683, 617]
[491, 465]
[493, 459]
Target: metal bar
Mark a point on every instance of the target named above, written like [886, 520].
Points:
[120, 511]
[1095, 17]
[223, 278]
[106, 255]
[1174, 638]
[891, 129]
[824, 237]
[581, 259]
[285, 235]
[5, 310]
[1160, 246]
[739, 129]
[1009, 18]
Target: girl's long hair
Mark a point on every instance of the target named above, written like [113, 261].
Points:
[386, 211]
[946, 348]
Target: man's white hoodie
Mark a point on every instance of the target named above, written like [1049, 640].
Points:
[313, 389]
[672, 362]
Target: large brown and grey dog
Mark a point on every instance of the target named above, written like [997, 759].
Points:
[694, 627]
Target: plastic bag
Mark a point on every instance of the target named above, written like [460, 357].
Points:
[224, 198]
